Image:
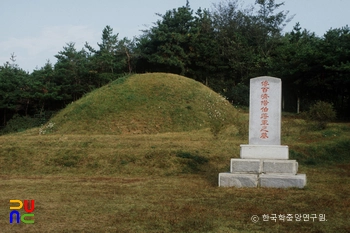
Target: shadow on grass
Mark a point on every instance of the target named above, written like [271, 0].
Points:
[325, 153]
[193, 163]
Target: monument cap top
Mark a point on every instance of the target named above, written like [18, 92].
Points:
[269, 77]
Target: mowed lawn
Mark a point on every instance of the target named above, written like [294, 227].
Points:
[168, 183]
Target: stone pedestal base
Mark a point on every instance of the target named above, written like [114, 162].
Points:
[258, 166]
[264, 152]
[238, 180]
[273, 170]
[282, 181]
[271, 180]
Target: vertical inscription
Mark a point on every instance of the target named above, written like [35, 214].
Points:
[265, 111]
[264, 117]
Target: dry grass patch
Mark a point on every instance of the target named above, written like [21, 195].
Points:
[184, 203]
[167, 182]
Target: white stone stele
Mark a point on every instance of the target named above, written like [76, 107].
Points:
[264, 162]
[264, 152]
[273, 113]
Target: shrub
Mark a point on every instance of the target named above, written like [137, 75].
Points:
[21, 123]
[321, 113]
[239, 95]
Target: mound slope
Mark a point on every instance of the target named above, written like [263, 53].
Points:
[145, 103]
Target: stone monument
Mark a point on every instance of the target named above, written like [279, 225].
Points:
[264, 161]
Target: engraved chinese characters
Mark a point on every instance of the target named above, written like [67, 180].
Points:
[265, 111]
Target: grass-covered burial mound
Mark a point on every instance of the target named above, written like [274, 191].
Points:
[145, 103]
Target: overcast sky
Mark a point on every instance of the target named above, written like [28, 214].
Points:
[35, 30]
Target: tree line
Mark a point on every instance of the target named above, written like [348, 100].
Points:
[222, 48]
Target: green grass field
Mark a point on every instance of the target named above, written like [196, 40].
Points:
[163, 181]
